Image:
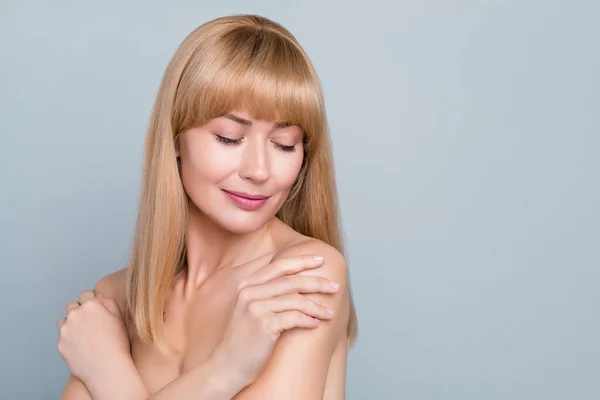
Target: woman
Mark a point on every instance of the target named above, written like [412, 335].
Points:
[236, 287]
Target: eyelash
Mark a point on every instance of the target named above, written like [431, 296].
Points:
[225, 140]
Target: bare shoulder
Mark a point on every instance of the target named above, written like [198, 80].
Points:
[334, 267]
[316, 355]
[291, 244]
[113, 287]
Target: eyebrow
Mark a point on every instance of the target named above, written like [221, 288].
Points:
[247, 122]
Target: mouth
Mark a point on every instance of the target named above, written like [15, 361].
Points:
[246, 201]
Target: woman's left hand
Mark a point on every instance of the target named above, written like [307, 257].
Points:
[93, 337]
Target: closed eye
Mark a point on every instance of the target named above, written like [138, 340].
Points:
[226, 140]
[288, 149]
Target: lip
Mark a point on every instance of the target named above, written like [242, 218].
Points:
[247, 195]
[246, 201]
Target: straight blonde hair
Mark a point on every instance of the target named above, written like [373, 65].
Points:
[235, 62]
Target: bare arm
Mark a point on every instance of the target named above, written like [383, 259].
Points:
[212, 380]
[75, 389]
[127, 386]
[206, 382]
[265, 307]
[298, 367]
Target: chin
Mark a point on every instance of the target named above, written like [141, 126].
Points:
[243, 224]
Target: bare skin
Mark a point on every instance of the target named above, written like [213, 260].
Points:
[293, 371]
[307, 361]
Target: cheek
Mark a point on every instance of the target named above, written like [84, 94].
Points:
[286, 169]
[207, 161]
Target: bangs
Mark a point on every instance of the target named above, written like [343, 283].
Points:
[257, 71]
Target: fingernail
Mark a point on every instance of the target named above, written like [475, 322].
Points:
[318, 258]
[335, 285]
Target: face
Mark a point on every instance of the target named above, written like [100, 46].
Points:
[238, 171]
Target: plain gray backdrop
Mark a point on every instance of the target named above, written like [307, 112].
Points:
[467, 144]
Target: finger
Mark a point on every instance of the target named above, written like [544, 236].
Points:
[86, 295]
[60, 323]
[71, 306]
[254, 265]
[281, 267]
[297, 302]
[287, 285]
[109, 304]
[294, 319]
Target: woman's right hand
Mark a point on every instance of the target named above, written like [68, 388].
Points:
[269, 302]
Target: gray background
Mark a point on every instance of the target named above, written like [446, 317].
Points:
[467, 140]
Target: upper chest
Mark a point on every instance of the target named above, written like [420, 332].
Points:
[193, 328]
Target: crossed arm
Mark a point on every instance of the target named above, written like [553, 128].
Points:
[297, 369]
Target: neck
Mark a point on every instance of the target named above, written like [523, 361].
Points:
[209, 247]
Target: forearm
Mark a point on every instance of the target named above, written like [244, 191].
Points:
[211, 380]
[75, 389]
[120, 383]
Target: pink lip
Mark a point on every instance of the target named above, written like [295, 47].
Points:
[246, 201]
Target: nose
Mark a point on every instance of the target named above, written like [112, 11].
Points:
[254, 165]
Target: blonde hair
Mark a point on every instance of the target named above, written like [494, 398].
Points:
[235, 62]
